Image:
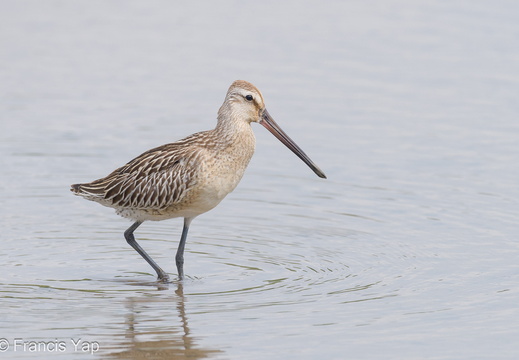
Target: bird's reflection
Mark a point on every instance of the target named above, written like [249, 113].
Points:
[150, 335]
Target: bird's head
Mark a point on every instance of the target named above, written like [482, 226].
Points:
[244, 102]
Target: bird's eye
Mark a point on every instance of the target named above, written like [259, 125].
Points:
[249, 97]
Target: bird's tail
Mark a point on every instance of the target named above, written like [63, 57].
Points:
[75, 188]
[95, 189]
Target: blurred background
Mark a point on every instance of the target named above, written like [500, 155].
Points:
[407, 251]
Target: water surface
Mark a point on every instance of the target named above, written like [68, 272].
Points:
[407, 251]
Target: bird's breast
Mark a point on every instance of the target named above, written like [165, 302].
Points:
[222, 169]
[226, 166]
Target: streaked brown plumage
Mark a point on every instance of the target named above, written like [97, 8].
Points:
[191, 176]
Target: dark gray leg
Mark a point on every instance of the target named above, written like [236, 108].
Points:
[179, 258]
[128, 234]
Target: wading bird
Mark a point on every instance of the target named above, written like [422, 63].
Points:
[191, 176]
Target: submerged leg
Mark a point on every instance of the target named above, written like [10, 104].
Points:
[179, 258]
[128, 234]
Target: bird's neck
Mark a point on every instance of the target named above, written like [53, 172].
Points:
[231, 126]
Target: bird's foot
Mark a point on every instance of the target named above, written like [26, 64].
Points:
[163, 278]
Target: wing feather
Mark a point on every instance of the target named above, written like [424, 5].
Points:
[157, 179]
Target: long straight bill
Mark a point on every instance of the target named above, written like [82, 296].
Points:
[273, 127]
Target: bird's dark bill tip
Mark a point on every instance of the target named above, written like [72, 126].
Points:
[316, 169]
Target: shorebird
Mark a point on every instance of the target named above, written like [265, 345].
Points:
[191, 176]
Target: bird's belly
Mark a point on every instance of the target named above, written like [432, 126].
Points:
[213, 190]
[218, 177]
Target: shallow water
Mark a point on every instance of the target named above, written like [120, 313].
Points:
[407, 251]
